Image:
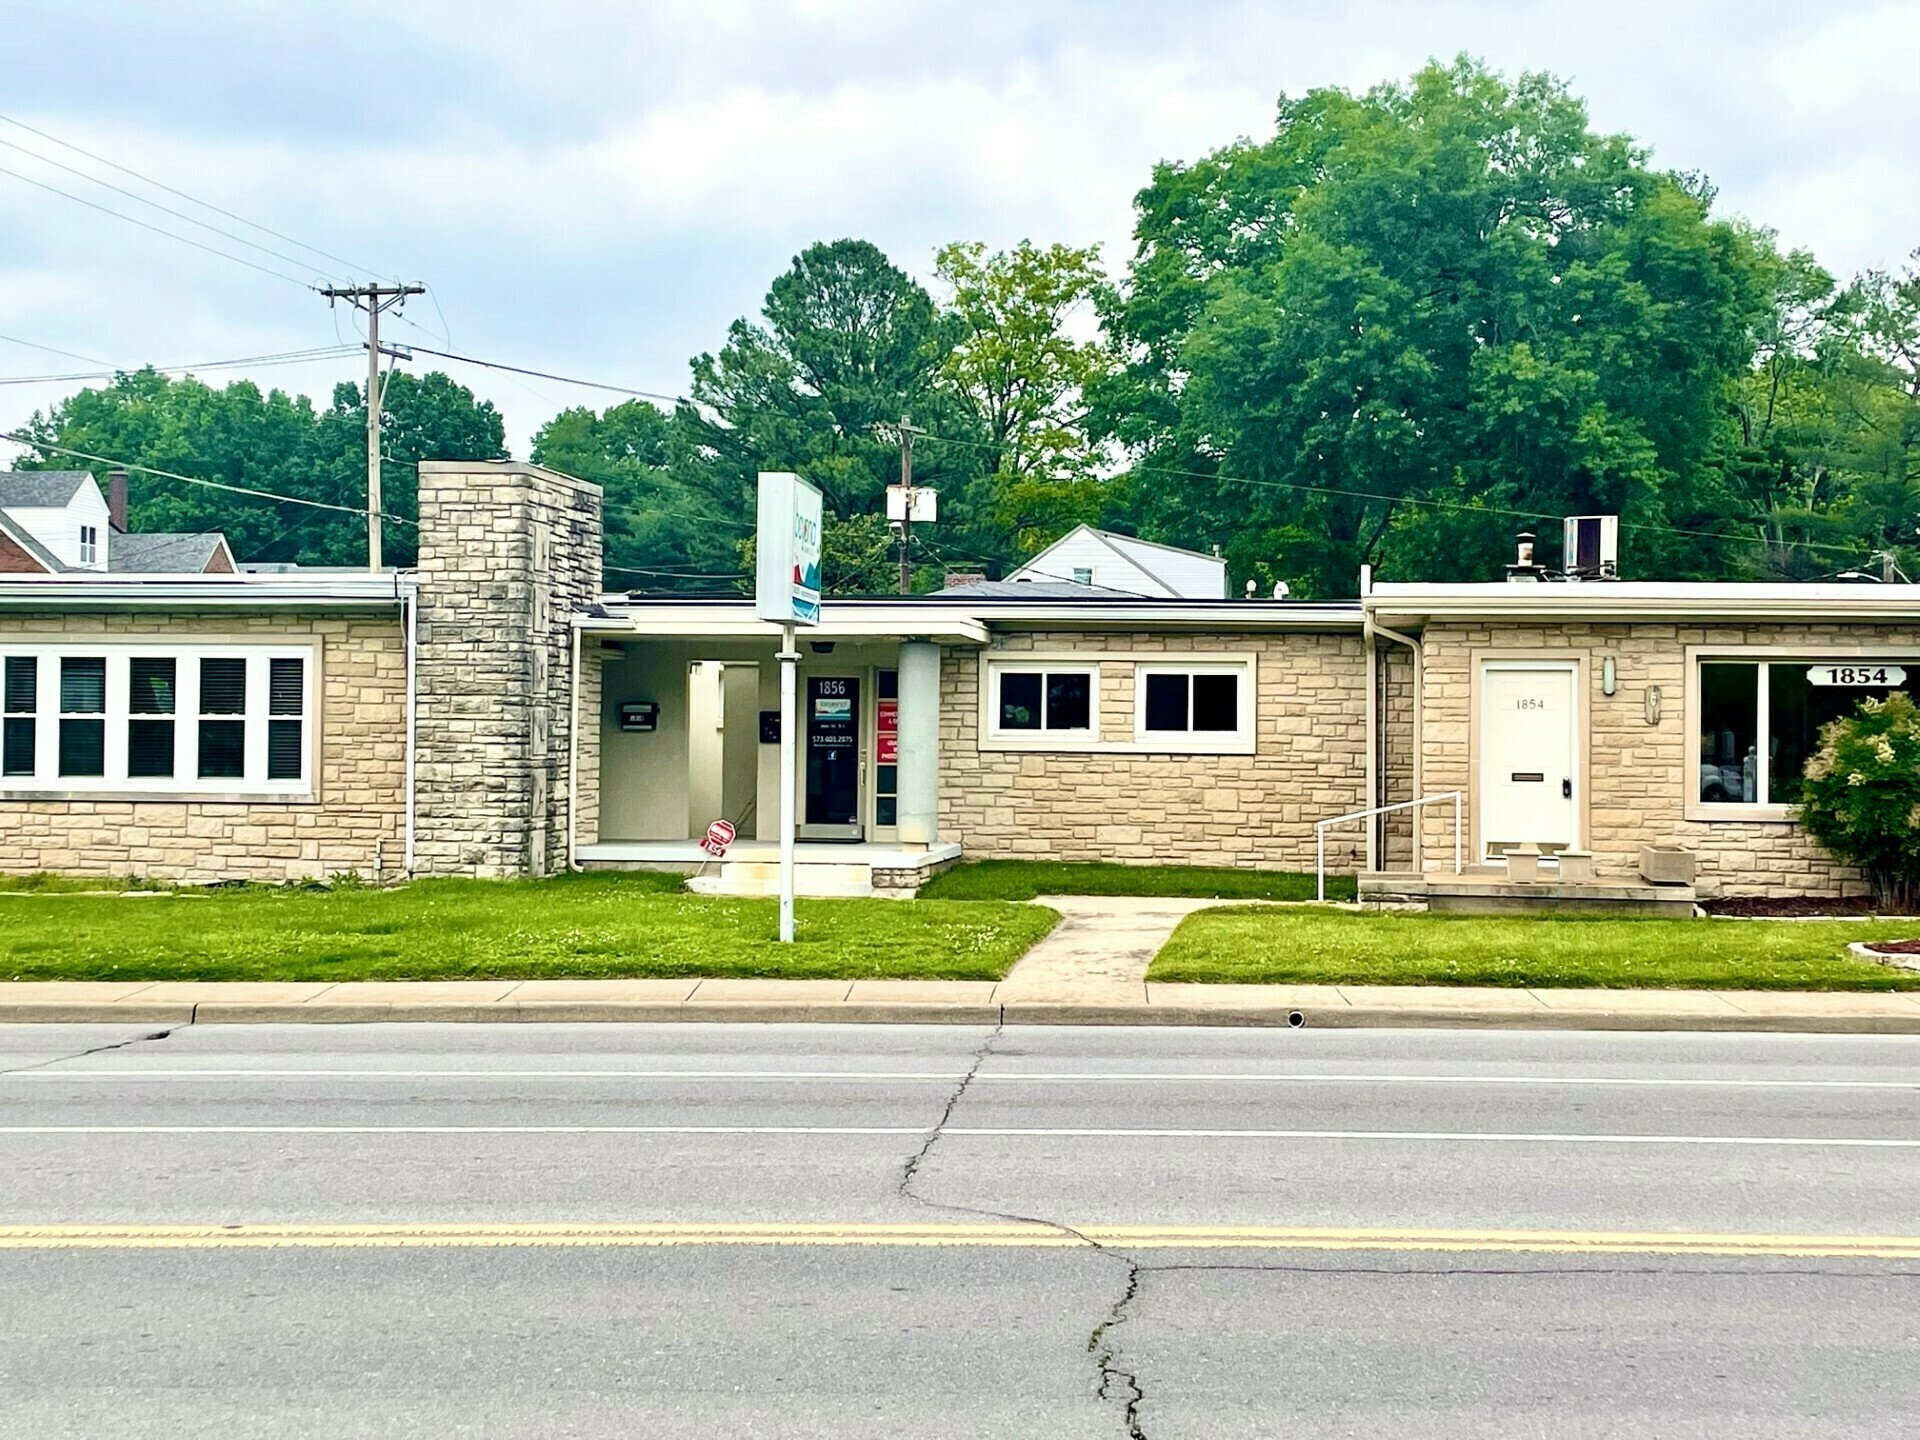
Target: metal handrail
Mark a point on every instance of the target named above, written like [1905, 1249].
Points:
[1320, 833]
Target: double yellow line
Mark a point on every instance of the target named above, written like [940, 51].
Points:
[1003, 1235]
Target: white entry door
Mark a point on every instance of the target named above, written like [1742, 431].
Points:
[1527, 770]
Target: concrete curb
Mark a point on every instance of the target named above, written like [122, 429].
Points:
[960, 1003]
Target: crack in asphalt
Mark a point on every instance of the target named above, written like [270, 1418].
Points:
[1118, 1384]
[92, 1050]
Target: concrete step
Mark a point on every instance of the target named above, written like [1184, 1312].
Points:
[755, 878]
[1490, 892]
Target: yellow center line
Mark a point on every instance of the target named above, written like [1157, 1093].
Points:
[1005, 1235]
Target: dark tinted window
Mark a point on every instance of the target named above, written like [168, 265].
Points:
[83, 685]
[16, 748]
[1069, 702]
[1166, 702]
[1729, 733]
[150, 748]
[286, 687]
[1019, 702]
[283, 749]
[1216, 702]
[22, 686]
[223, 749]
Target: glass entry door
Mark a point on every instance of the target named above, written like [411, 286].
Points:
[830, 808]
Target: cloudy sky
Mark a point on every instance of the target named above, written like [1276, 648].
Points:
[599, 188]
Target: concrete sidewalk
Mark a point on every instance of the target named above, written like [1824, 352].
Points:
[1101, 1002]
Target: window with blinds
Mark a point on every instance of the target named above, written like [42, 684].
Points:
[137, 718]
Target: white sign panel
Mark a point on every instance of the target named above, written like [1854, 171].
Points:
[787, 573]
[1861, 672]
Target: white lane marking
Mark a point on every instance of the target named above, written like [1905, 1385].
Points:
[991, 1078]
[987, 1132]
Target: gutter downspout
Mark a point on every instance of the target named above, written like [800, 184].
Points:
[408, 589]
[1372, 768]
[1419, 690]
[573, 753]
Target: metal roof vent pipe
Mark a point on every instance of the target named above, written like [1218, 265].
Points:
[1523, 571]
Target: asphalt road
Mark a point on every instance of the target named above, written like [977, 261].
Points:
[726, 1230]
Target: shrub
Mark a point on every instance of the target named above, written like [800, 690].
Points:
[1862, 795]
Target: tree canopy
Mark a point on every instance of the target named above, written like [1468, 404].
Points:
[1406, 324]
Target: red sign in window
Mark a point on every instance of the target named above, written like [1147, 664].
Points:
[886, 749]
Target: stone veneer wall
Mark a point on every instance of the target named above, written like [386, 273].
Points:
[1638, 775]
[508, 554]
[1252, 810]
[354, 823]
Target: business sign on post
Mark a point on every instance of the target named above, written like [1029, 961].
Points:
[787, 569]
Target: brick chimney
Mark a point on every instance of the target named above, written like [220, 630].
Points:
[957, 578]
[117, 500]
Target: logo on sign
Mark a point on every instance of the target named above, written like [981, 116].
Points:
[719, 835]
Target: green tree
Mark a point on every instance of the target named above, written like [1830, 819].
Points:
[847, 344]
[660, 525]
[1415, 310]
[272, 442]
[1024, 376]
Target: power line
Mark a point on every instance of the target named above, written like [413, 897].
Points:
[563, 379]
[285, 357]
[156, 205]
[1451, 505]
[53, 350]
[192, 199]
[122, 215]
[33, 444]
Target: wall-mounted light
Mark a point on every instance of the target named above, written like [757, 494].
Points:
[821, 647]
[1653, 704]
[1609, 676]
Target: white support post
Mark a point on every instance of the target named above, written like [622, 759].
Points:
[789, 772]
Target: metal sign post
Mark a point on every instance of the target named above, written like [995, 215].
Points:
[789, 772]
[787, 592]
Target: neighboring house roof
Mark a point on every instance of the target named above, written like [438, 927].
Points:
[23, 540]
[40, 489]
[1166, 569]
[1031, 590]
[169, 554]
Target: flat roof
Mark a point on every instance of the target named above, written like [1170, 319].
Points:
[1653, 600]
[964, 619]
[122, 590]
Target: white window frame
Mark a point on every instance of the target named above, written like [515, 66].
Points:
[1762, 656]
[1237, 741]
[1042, 738]
[89, 544]
[185, 783]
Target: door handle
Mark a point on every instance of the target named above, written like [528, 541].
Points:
[1566, 789]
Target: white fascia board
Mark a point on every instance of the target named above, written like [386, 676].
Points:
[107, 591]
[969, 621]
[1626, 600]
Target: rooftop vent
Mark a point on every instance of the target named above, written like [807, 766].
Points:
[1524, 570]
[1592, 547]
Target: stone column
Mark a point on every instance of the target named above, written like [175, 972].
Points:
[509, 553]
[919, 743]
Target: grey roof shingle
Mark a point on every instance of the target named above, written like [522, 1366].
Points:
[39, 489]
[162, 553]
[1033, 590]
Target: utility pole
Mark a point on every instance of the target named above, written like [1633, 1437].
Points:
[373, 299]
[907, 431]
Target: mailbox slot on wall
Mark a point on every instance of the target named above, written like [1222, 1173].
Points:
[641, 715]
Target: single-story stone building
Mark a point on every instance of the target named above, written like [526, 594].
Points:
[492, 712]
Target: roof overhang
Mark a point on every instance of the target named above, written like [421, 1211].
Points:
[956, 620]
[135, 590]
[1622, 602]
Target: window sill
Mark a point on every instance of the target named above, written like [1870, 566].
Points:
[121, 795]
[1751, 814]
[1226, 745]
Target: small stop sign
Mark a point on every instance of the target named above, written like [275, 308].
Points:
[719, 835]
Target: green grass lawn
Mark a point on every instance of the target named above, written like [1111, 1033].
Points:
[1246, 945]
[571, 927]
[1024, 879]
